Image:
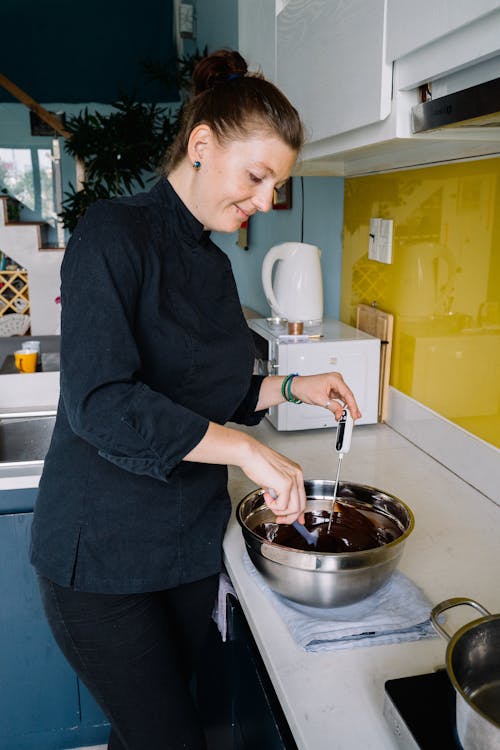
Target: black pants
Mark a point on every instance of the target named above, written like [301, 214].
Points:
[136, 654]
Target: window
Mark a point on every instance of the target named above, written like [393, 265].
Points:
[27, 174]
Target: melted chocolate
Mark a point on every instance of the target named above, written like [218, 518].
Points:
[351, 530]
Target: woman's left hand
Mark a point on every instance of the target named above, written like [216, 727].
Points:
[327, 390]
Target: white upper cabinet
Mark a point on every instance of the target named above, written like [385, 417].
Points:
[257, 35]
[437, 38]
[411, 25]
[330, 61]
[353, 67]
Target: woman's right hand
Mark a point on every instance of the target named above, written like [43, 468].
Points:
[270, 469]
[263, 465]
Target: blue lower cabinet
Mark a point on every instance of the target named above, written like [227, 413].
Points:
[235, 695]
[91, 716]
[41, 705]
[44, 706]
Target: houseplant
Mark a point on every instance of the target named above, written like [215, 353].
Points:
[122, 150]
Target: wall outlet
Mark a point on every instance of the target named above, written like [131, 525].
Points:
[380, 240]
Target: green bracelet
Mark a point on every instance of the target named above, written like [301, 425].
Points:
[286, 389]
[283, 387]
[291, 398]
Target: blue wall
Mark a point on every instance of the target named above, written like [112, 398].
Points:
[323, 207]
[77, 52]
[217, 25]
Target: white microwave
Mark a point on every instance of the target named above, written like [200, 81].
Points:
[341, 348]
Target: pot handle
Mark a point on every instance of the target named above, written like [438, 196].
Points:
[449, 604]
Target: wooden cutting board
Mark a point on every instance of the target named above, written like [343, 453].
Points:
[379, 324]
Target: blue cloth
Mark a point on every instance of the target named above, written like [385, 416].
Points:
[397, 612]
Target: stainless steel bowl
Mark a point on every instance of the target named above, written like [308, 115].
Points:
[325, 579]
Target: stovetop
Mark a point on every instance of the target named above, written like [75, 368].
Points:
[421, 711]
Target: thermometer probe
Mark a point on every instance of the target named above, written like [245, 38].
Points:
[342, 446]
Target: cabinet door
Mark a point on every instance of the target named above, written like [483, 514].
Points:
[453, 44]
[258, 716]
[257, 35]
[331, 63]
[38, 690]
[412, 25]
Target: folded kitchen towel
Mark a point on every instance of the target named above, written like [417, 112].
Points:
[397, 612]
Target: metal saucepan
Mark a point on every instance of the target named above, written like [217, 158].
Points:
[325, 579]
[473, 666]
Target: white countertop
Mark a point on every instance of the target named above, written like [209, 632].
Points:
[27, 391]
[335, 699]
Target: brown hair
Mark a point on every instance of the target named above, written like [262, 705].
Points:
[234, 104]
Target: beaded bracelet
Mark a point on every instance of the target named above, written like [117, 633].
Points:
[286, 389]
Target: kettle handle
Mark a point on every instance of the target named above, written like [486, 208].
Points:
[274, 254]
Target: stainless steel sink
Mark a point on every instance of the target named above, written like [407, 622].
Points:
[25, 440]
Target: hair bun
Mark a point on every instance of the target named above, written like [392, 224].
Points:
[220, 66]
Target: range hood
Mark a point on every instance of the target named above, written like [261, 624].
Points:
[474, 107]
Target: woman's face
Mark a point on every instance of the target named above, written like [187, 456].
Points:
[237, 179]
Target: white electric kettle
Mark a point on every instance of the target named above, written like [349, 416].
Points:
[297, 291]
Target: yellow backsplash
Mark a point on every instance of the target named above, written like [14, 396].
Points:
[443, 286]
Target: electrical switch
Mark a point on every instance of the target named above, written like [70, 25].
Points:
[380, 240]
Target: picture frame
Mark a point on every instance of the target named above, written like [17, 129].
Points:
[282, 197]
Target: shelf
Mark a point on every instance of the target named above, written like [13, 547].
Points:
[14, 296]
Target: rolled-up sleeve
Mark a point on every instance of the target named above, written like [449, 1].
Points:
[106, 402]
[245, 413]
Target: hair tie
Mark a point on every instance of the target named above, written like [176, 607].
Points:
[232, 76]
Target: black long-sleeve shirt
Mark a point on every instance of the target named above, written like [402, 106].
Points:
[154, 345]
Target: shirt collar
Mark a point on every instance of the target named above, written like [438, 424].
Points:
[188, 223]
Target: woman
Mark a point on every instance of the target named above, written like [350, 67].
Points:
[155, 358]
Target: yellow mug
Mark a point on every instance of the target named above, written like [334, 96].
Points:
[25, 361]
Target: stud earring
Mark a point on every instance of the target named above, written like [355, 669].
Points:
[197, 164]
